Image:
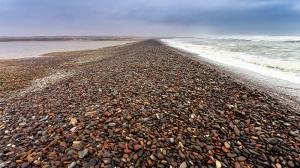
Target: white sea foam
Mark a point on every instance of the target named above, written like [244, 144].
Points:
[269, 56]
[260, 38]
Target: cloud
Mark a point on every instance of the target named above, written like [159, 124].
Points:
[160, 16]
[296, 7]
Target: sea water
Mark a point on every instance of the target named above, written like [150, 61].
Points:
[274, 57]
[25, 49]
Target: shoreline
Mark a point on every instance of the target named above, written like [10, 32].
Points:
[250, 79]
[145, 105]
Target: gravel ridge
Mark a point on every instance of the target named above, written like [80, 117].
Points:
[146, 105]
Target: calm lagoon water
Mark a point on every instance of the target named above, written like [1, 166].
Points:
[25, 49]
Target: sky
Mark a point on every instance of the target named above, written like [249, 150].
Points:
[149, 17]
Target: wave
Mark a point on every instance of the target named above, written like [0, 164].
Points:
[288, 39]
[285, 69]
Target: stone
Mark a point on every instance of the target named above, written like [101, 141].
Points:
[181, 154]
[112, 124]
[163, 151]
[274, 141]
[291, 163]
[231, 155]
[278, 165]
[128, 151]
[72, 165]
[153, 157]
[272, 159]
[183, 165]
[160, 156]
[73, 121]
[106, 154]
[37, 162]
[83, 153]
[135, 156]
[2, 164]
[241, 158]
[218, 164]
[236, 131]
[294, 133]
[136, 147]
[237, 165]
[106, 160]
[91, 114]
[22, 124]
[227, 145]
[74, 129]
[144, 105]
[24, 165]
[239, 143]
[30, 159]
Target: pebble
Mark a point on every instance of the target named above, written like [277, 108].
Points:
[145, 105]
[37, 162]
[2, 164]
[237, 165]
[73, 121]
[22, 124]
[24, 165]
[136, 147]
[160, 156]
[73, 129]
[91, 114]
[106, 154]
[218, 164]
[183, 165]
[291, 163]
[72, 165]
[76, 142]
[241, 158]
[112, 124]
[278, 165]
[272, 159]
[226, 144]
[107, 160]
[83, 153]
[239, 143]
[236, 131]
[231, 155]
[294, 133]
[153, 157]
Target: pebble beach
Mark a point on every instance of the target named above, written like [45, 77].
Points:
[142, 104]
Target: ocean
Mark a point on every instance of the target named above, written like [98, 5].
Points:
[275, 57]
[25, 49]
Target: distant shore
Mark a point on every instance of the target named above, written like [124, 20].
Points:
[142, 104]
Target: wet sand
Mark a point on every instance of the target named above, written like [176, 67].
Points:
[140, 105]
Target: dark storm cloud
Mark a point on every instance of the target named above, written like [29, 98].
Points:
[144, 17]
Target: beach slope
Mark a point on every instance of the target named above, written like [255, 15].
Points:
[143, 105]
